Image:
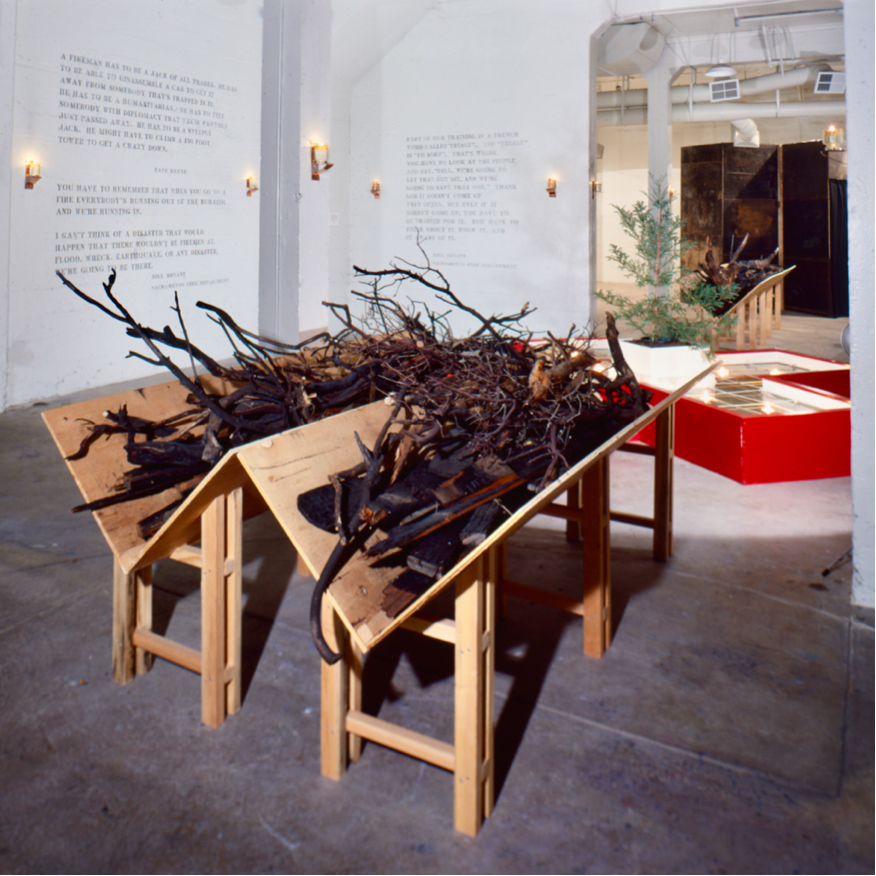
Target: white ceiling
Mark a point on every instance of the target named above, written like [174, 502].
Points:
[756, 39]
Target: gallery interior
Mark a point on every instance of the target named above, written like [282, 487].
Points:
[165, 708]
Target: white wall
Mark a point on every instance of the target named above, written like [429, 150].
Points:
[8, 9]
[145, 119]
[497, 95]
[859, 23]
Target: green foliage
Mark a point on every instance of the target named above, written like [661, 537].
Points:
[679, 307]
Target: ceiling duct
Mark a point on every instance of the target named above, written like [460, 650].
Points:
[727, 112]
[629, 49]
[745, 133]
[798, 76]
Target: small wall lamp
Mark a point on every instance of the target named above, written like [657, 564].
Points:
[251, 186]
[834, 139]
[319, 160]
[31, 174]
[551, 187]
[375, 188]
[595, 188]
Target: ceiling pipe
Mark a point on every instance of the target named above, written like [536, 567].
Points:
[727, 112]
[638, 97]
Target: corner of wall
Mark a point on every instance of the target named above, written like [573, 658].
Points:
[859, 28]
[8, 9]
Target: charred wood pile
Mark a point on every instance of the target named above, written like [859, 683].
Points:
[474, 425]
[742, 274]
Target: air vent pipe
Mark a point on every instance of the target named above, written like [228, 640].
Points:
[727, 112]
[638, 97]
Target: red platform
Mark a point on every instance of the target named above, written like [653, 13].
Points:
[760, 448]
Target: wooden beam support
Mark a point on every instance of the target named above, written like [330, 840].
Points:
[632, 519]
[643, 449]
[443, 629]
[540, 596]
[233, 569]
[400, 739]
[469, 713]
[597, 559]
[354, 697]
[143, 615]
[124, 621]
[333, 698]
[663, 487]
[167, 649]
[488, 760]
[213, 623]
[573, 507]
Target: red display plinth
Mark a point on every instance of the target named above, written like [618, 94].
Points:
[766, 445]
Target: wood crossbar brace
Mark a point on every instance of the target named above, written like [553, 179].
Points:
[218, 662]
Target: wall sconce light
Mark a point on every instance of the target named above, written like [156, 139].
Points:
[375, 188]
[551, 187]
[31, 174]
[672, 192]
[595, 188]
[834, 139]
[319, 160]
[251, 186]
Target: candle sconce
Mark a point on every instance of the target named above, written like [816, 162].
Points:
[251, 186]
[319, 160]
[375, 189]
[31, 174]
[551, 187]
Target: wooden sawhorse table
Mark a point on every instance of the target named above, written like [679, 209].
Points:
[758, 312]
[275, 471]
[212, 516]
[472, 632]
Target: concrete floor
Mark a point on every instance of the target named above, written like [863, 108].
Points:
[729, 728]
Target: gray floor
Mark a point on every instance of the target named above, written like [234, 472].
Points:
[729, 728]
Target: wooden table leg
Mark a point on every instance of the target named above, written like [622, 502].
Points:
[333, 698]
[474, 660]
[664, 452]
[233, 598]
[143, 660]
[780, 303]
[597, 558]
[573, 502]
[213, 604]
[740, 327]
[752, 324]
[124, 621]
[491, 577]
[354, 695]
[761, 307]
